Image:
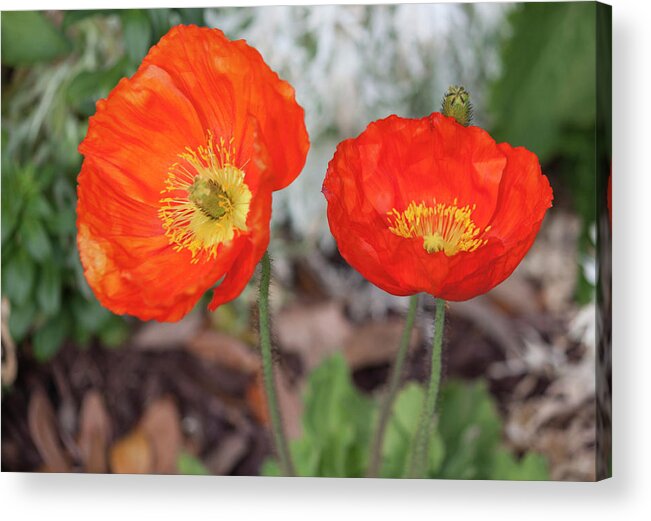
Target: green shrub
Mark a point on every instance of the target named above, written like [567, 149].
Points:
[466, 443]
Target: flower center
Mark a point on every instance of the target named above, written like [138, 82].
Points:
[443, 227]
[206, 200]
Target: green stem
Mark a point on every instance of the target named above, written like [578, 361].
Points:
[280, 440]
[420, 454]
[394, 382]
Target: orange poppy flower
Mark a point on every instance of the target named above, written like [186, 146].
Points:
[180, 161]
[428, 205]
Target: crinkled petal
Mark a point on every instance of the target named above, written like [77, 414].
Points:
[397, 161]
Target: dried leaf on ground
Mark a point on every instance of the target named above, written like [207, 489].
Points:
[156, 336]
[559, 421]
[94, 433]
[289, 400]
[223, 350]
[44, 433]
[9, 358]
[376, 343]
[567, 438]
[229, 451]
[554, 250]
[132, 454]
[493, 323]
[161, 423]
[314, 332]
[516, 295]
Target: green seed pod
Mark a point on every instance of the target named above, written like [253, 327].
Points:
[456, 103]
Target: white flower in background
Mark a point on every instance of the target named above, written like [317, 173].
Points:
[354, 64]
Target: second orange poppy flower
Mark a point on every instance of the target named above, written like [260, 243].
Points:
[429, 205]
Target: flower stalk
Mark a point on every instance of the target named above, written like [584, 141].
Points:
[394, 382]
[280, 439]
[420, 453]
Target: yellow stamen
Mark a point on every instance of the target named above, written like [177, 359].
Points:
[443, 227]
[206, 200]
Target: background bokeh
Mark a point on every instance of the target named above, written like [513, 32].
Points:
[72, 370]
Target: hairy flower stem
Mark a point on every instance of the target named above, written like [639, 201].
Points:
[394, 382]
[420, 452]
[280, 440]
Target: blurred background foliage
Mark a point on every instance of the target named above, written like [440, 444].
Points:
[530, 69]
[54, 67]
[546, 101]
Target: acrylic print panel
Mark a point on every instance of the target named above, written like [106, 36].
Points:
[430, 296]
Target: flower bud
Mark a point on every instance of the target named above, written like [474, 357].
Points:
[456, 104]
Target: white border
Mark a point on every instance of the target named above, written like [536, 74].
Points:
[626, 496]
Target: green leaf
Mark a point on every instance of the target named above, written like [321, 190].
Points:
[161, 21]
[40, 207]
[62, 223]
[337, 423]
[471, 429]
[89, 86]
[400, 433]
[48, 290]
[35, 238]
[81, 337]
[532, 467]
[13, 196]
[436, 454]
[192, 15]
[18, 276]
[307, 455]
[20, 320]
[4, 159]
[189, 465]
[89, 314]
[29, 37]
[137, 33]
[9, 218]
[113, 332]
[271, 468]
[465, 443]
[48, 339]
[340, 417]
[72, 17]
[546, 98]
[11, 205]
[548, 82]
[331, 397]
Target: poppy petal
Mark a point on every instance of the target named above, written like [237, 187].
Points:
[229, 82]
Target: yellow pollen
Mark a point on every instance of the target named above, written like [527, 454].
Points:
[206, 201]
[443, 227]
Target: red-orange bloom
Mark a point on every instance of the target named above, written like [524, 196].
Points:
[179, 164]
[428, 205]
